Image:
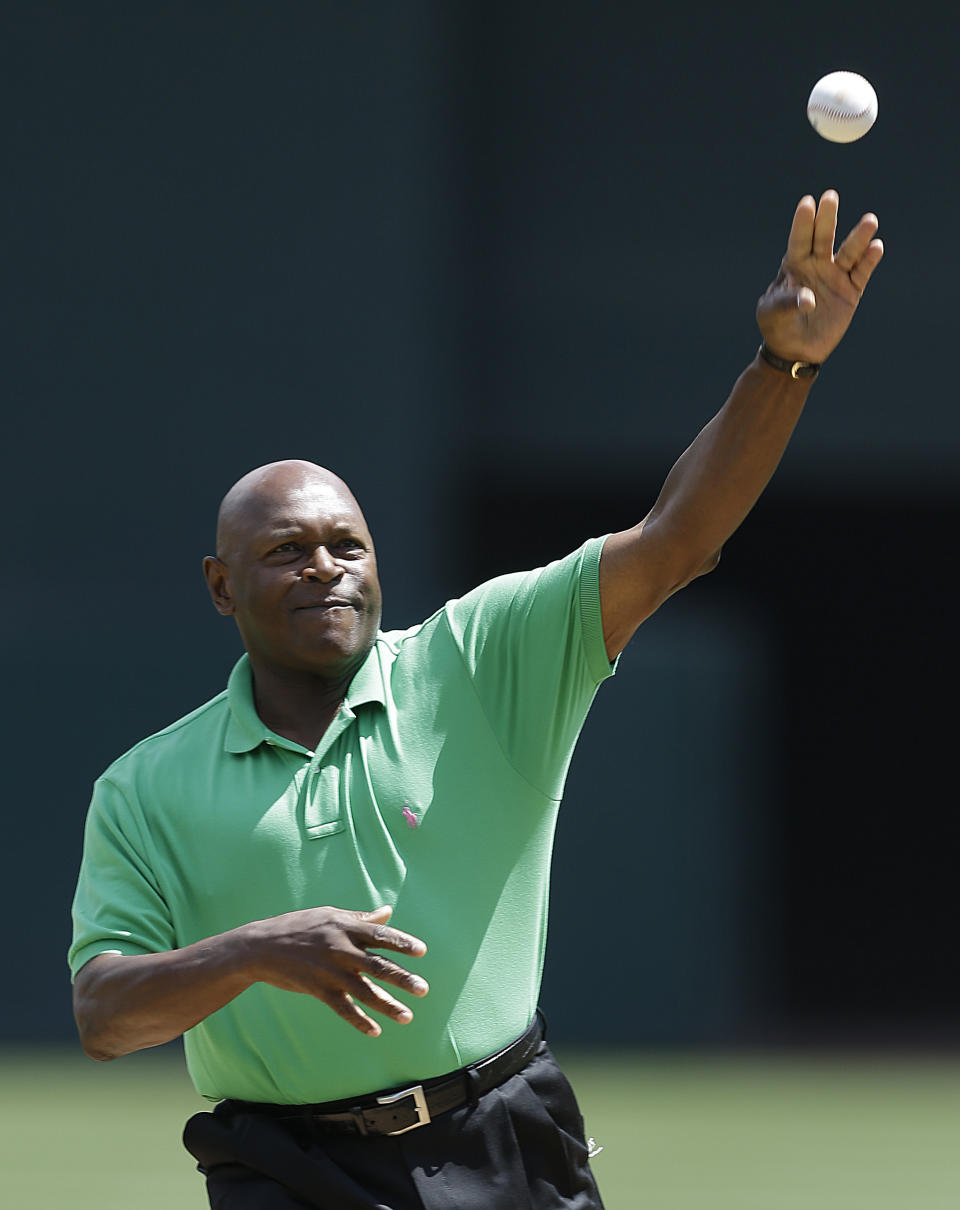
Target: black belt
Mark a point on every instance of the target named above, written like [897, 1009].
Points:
[398, 1110]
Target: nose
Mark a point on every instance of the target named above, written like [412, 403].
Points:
[322, 566]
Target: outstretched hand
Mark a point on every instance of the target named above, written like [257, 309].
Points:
[806, 310]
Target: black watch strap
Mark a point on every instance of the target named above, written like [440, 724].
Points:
[796, 369]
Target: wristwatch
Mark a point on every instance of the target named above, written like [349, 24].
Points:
[796, 369]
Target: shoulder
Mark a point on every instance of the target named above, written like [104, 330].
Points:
[529, 615]
[194, 731]
[552, 587]
[440, 634]
[562, 575]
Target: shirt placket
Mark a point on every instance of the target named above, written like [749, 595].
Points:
[324, 793]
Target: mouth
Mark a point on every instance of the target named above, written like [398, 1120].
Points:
[327, 606]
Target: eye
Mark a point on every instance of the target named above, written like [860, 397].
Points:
[284, 548]
[349, 545]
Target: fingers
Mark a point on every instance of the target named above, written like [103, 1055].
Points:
[345, 1006]
[347, 1003]
[814, 227]
[860, 273]
[372, 930]
[813, 233]
[857, 242]
[357, 989]
[375, 997]
[816, 231]
[800, 240]
[382, 937]
[389, 972]
[825, 225]
[860, 252]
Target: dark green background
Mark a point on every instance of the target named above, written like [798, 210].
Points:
[495, 263]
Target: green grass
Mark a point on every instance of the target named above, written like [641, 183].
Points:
[773, 1133]
[679, 1133]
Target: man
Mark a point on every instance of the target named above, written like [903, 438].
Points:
[413, 777]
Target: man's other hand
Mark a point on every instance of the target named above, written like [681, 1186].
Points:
[325, 952]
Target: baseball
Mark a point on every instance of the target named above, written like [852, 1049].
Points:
[842, 107]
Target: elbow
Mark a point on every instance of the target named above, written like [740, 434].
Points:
[702, 569]
[98, 1054]
[93, 1024]
[97, 1042]
[93, 1037]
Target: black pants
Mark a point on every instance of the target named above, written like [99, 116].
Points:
[521, 1147]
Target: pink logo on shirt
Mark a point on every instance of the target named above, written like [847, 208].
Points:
[408, 815]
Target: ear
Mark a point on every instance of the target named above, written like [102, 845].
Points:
[218, 582]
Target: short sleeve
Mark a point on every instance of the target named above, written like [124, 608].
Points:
[533, 645]
[118, 907]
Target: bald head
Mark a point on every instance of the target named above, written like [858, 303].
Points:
[258, 493]
[296, 568]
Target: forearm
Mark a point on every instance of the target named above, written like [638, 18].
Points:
[708, 492]
[718, 479]
[127, 1003]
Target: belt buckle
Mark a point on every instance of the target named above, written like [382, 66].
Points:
[419, 1105]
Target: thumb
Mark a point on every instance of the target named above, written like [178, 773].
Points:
[379, 915]
[806, 300]
[782, 298]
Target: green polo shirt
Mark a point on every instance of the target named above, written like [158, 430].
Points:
[435, 790]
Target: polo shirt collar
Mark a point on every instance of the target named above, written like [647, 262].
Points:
[246, 730]
[368, 681]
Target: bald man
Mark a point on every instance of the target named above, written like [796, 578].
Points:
[384, 1050]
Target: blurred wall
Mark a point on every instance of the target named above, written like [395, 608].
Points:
[496, 264]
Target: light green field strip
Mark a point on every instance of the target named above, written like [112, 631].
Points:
[685, 1133]
[96, 1136]
[777, 1134]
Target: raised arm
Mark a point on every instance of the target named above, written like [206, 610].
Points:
[717, 480]
[124, 1003]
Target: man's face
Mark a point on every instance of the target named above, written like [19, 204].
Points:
[297, 569]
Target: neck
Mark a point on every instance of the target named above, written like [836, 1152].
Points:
[298, 705]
